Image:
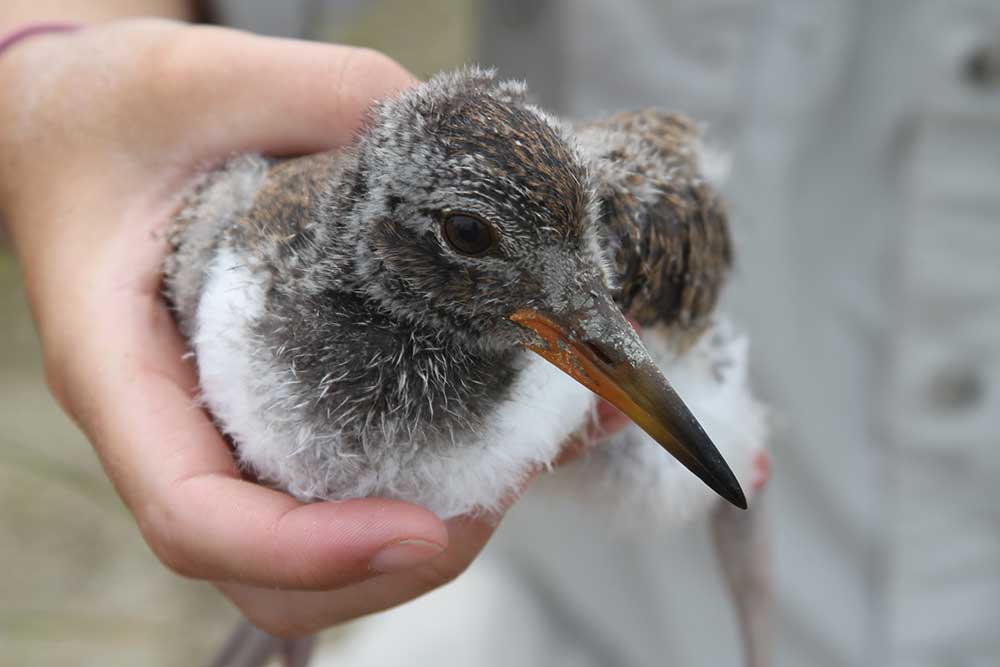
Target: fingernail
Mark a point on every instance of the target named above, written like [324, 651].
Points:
[404, 555]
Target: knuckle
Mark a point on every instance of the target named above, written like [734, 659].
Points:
[170, 59]
[68, 386]
[362, 66]
[56, 381]
[173, 558]
[174, 562]
[370, 58]
[156, 526]
[167, 60]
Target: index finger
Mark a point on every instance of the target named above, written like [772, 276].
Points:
[242, 92]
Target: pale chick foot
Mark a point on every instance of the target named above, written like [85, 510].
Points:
[761, 471]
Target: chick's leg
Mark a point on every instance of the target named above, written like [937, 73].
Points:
[248, 646]
[742, 544]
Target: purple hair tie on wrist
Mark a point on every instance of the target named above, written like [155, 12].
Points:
[33, 30]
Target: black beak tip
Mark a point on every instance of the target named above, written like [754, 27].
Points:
[724, 483]
[718, 476]
[736, 496]
[705, 461]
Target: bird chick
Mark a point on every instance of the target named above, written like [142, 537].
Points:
[429, 314]
[364, 320]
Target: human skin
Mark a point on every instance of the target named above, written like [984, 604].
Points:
[101, 133]
[15, 13]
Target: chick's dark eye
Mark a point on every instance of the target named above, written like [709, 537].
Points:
[469, 235]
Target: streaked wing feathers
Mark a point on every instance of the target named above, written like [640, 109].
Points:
[666, 225]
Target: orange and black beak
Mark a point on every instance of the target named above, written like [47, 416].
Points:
[598, 348]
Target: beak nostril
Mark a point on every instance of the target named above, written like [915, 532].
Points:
[600, 353]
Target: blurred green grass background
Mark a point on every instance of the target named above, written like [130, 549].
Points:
[78, 586]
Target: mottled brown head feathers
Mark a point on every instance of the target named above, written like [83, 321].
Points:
[518, 148]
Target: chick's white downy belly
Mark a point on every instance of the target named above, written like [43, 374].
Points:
[244, 393]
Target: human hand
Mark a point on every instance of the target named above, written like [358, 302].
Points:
[101, 132]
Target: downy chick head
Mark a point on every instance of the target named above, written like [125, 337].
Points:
[472, 204]
[473, 212]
